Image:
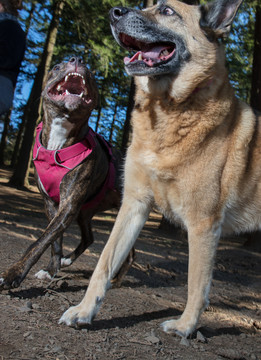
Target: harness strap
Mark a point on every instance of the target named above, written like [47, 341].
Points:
[76, 149]
[53, 165]
[69, 152]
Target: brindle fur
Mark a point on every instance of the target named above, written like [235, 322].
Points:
[195, 149]
[79, 184]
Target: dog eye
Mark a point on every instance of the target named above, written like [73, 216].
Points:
[56, 67]
[166, 10]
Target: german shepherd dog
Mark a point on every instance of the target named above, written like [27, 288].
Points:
[88, 170]
[195, 150]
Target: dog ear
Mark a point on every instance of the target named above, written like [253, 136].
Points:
[217, 17]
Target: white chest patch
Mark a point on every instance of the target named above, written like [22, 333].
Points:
[60, 129]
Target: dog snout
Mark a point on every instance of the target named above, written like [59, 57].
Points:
[76, 61]
[117, 12]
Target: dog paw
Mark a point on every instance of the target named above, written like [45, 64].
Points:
[66, 262]
[2, 280]
[75, 317]
[7, 283]
[177, 327]
[43, 275]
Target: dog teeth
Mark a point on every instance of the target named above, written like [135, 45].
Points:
[81, 95]
[67, 92]
[74, 74]
[165, 52]
[59, 87]
[140, 56]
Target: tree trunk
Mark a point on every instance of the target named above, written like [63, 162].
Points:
[17, 143]
[21, 126]
[98, 119]
[4, 136]
[99, 108]
[33, 107]
[113, 121]
[148, 3]
[7, 117]
[255, 100]
[191, 2]
[126, 127]
[254, 239]
[29, 19]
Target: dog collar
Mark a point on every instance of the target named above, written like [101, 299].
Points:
[53, 165]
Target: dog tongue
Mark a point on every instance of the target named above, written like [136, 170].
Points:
[150, 56]
[153, 53]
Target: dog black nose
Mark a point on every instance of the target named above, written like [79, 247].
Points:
[117, 12]
[76, 60]
[73, 60]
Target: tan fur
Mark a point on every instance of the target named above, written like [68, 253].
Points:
[196, 155]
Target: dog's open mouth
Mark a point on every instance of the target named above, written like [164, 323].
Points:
[151, 55]
[73, 84]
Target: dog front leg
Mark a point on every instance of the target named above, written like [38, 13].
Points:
[54, 265]
[13, 277]
[202, 249]
[130, 220]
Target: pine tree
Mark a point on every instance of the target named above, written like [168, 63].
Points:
[32, 110]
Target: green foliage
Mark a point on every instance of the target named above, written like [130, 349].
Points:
[239, 48]
[84, 31]
[85, 27]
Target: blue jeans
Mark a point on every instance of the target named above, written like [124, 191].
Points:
[6, 94]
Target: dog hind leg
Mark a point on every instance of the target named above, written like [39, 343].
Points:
[54, 265]
[117, 280]
[86, 239]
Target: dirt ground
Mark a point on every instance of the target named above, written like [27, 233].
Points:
[128, 324]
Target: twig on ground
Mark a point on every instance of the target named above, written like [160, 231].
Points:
[59, 294]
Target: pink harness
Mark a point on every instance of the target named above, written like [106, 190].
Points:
[53, 165]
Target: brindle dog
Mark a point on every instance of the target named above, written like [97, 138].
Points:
[195, 150]
[69, 97]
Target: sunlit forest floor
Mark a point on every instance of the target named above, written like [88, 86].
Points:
[128, 324]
